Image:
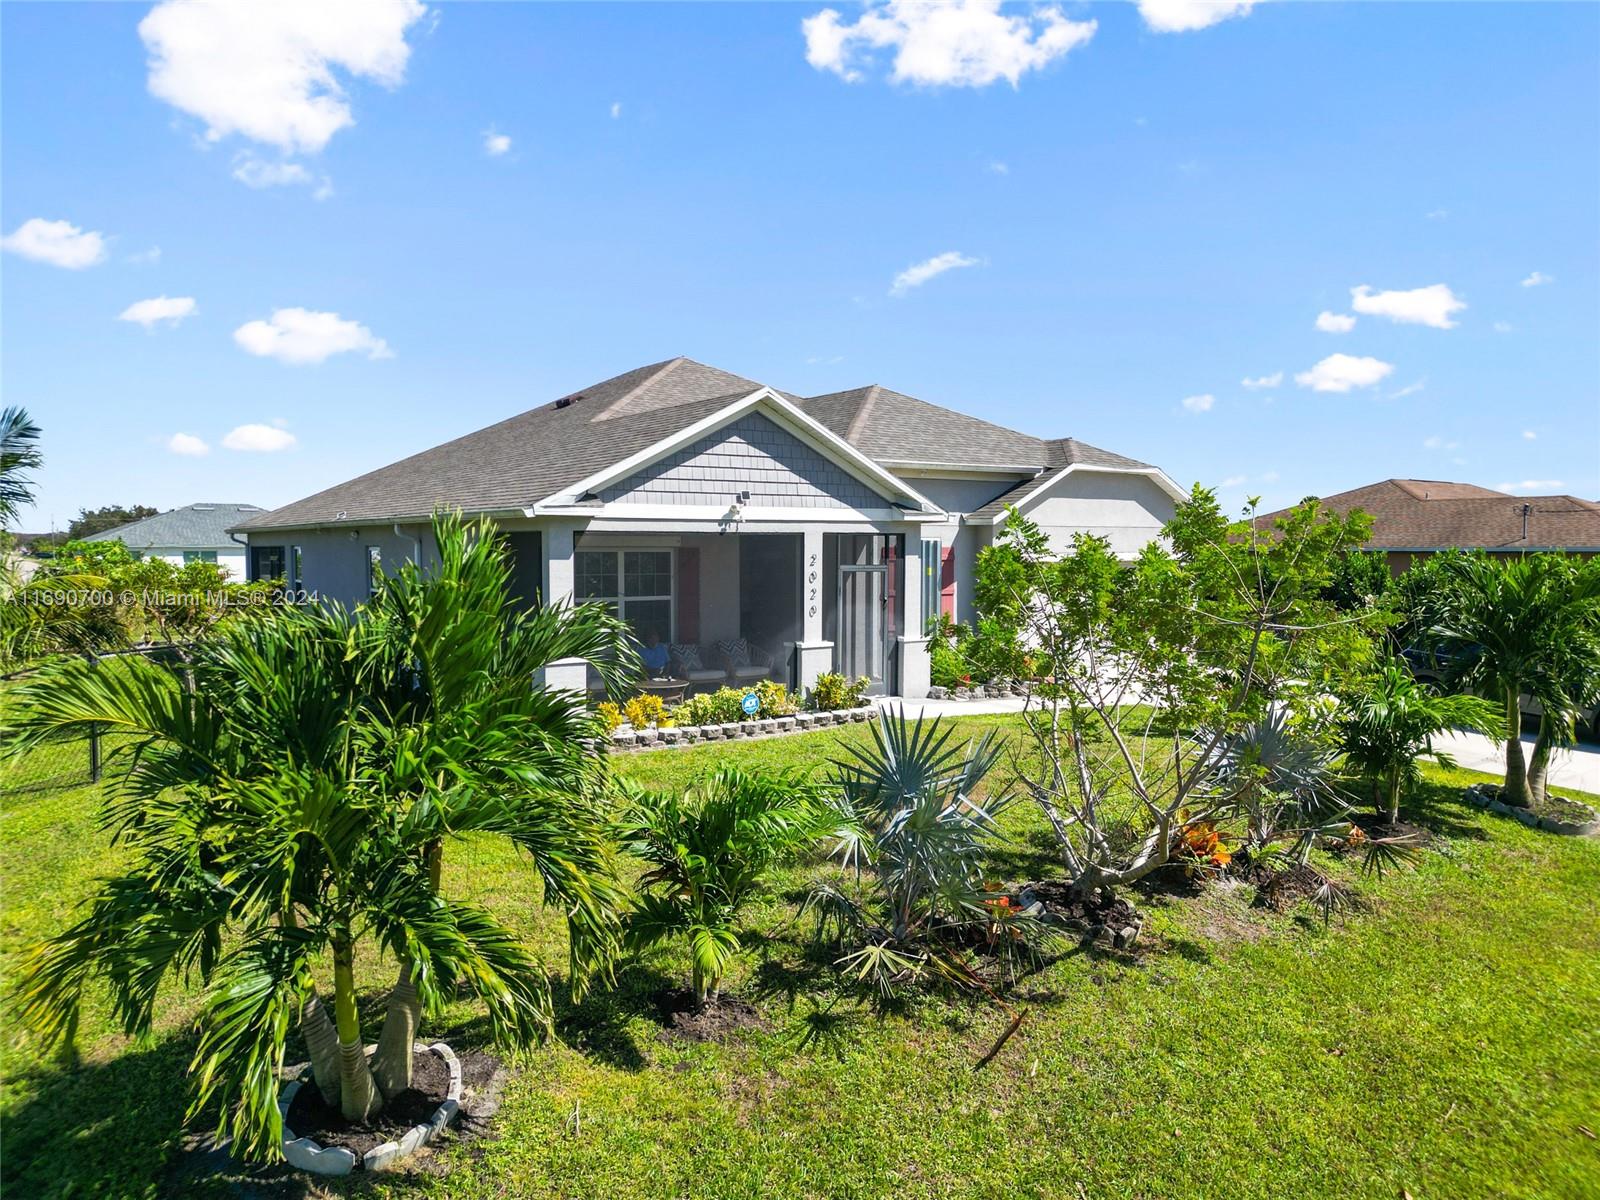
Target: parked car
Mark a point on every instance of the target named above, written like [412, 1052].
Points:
[1432, 666]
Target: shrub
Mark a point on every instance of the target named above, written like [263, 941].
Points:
[775, 699]
[645, 710]
[610, 715]
[947, 663]
[834, 691]
[721, 707]
[709, 852]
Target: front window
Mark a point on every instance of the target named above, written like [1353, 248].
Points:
[932, 561]
[201, 556]
[634, 584]
[374, 569]
[297, 578]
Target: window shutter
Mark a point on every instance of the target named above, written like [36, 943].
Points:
[688, 594]
[947, 583]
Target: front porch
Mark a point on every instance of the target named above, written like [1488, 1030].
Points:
[760, 602]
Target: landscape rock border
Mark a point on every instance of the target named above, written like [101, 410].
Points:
[628, 738]
[1487, 796]
[308, 1155]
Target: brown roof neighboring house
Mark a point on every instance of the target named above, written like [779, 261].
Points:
[1424, 515]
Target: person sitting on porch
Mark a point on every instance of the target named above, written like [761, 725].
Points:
[653, 654]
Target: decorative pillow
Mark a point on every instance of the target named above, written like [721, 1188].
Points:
[735, 650]
[687, 656]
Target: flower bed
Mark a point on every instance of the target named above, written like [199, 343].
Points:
[652, 738]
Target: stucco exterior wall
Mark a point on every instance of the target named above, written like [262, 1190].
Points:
[233, 560]
[1127, 510]
[334, 561]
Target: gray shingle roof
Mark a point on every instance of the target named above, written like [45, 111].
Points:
[193, 527]
[528, 457]
[893, 427]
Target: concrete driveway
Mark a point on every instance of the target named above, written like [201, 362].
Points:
[1578, 767]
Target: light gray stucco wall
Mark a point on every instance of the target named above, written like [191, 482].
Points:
[751, 454]
[334, 561]
[959, 496]
[963, 495]
[1127, 510]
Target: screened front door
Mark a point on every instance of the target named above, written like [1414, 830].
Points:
[863, 624]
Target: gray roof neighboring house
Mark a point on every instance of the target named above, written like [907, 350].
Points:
[526, 458]
[193, 527]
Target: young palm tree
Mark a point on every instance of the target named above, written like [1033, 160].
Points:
[1387, 727]
[710, 851]
[19, 455]
[287, 799]
[1528, 625]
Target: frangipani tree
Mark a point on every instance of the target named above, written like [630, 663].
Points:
[287, 799]
[1151, 668]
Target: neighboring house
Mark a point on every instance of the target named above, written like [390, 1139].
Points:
[1418, 517]
[706, 507]
[194, 533]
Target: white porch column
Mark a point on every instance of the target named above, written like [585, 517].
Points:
[913, 642]
[559, 583]
[814, 655]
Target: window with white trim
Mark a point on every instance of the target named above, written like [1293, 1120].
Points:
[932, 565]
[200, 556]
[635, 584]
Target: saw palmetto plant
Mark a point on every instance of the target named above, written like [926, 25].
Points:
[289, 793]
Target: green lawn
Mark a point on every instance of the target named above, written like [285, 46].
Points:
[1444, 1041]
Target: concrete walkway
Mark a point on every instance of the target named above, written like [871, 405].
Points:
[1578, 767]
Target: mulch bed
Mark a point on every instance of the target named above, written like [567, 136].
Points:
[1282, 890]
[1091, 914]
[717, 1020]
[313, 1117]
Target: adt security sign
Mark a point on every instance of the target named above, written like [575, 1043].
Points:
[751, 704]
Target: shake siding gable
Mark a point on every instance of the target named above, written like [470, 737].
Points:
[755, 455]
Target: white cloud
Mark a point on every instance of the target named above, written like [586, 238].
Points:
[266, 71]
[151, 312]
[1411, 389]
[1529, 435]
[259, 439]
[1199, 404]
[1438, 443]
[1181, 16]
[1438, 214]
[1531, 485]
[919, 273]
[144, 257]
[1331, 322]
[616, 110]
[1537, 279]
[495, 144]
[1234, 481]
[59, 243]
[1342, 373]
[1502, 326]
[1430, 306]
[1263, 381]
[958, 43]
[299, 336]
[256, 172]
[999, 168]
[187, 444]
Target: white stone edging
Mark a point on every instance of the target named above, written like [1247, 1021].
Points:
[307, 1155]
[654, 738]
[1486, 795]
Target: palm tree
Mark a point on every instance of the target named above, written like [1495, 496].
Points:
[1532, 625]
[1388, 726]
[287, 799]
[19, 454]
[710, 851]
[451, 651]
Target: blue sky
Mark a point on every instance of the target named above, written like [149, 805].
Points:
[1142, 218]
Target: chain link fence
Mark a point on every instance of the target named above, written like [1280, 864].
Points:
[61, 765]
